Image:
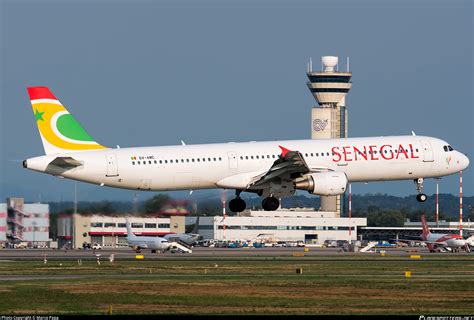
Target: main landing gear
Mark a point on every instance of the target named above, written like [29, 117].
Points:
[421, 197]
[237, 204]
[270, 204]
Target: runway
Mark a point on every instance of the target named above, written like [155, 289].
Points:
[204, 252]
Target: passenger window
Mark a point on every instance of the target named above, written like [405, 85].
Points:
[305, 154]
[220, 159]
[187, 160]
[155, 161]
[317, 154]
[182, 160]
[209, 159]
[214, 159]
[203, 159]
[246, 157]
[161, 162]
[251, 157]
[312, 154]
[192, 159]
[138, 162]
[198, 160]
[171, 161]
[256, 157]
[149, 162]
[133, 162]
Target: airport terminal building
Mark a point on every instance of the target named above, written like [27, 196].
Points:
[110, 231]
[312, 227]
[24, 222]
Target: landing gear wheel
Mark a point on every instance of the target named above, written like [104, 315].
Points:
[421, 197]
[270, 204]
[237, 205]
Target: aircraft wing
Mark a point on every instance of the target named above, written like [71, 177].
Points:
[288, 166]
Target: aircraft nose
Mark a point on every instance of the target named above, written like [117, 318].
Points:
[464, 162]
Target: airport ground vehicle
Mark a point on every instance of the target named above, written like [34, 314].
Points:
[330, 243]
[280, 244]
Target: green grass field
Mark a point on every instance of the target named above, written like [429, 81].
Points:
[372, 285]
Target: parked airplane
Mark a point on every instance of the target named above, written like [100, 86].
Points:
[188, 239]
[273, 170]
[439, 241]
[145, 242]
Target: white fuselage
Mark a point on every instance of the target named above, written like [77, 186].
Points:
[231, 165]
[145, 242]
[452, 241]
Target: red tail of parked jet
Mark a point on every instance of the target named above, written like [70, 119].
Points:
[426, 232]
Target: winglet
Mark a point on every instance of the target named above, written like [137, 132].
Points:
[284, 151]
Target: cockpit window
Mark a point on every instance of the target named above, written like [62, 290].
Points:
[445, 148]
[450, 148]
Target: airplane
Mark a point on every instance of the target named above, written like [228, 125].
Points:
[188, 239]
[440, 241]
[146, 242]
[271, 169]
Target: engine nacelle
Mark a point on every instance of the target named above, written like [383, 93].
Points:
[323, 183]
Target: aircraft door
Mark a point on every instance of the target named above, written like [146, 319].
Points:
[112, 167]
[233, 162]
[427, 151]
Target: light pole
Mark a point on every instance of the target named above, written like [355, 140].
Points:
[34, 223]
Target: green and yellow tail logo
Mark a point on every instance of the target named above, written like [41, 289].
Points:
[59, 131]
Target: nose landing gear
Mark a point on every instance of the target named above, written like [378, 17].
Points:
[421, 197]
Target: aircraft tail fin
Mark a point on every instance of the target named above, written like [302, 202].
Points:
[59, 131]
[196, 226]
[130, 234]
[426, 230]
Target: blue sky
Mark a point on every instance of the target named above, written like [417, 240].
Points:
[139, 73]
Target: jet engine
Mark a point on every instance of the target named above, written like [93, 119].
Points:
[323, 183]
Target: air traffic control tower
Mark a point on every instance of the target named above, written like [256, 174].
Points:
[329, 118]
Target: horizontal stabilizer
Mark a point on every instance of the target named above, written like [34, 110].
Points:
[65, 162]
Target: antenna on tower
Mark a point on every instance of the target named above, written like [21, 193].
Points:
[310, 64]
[347, 65]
